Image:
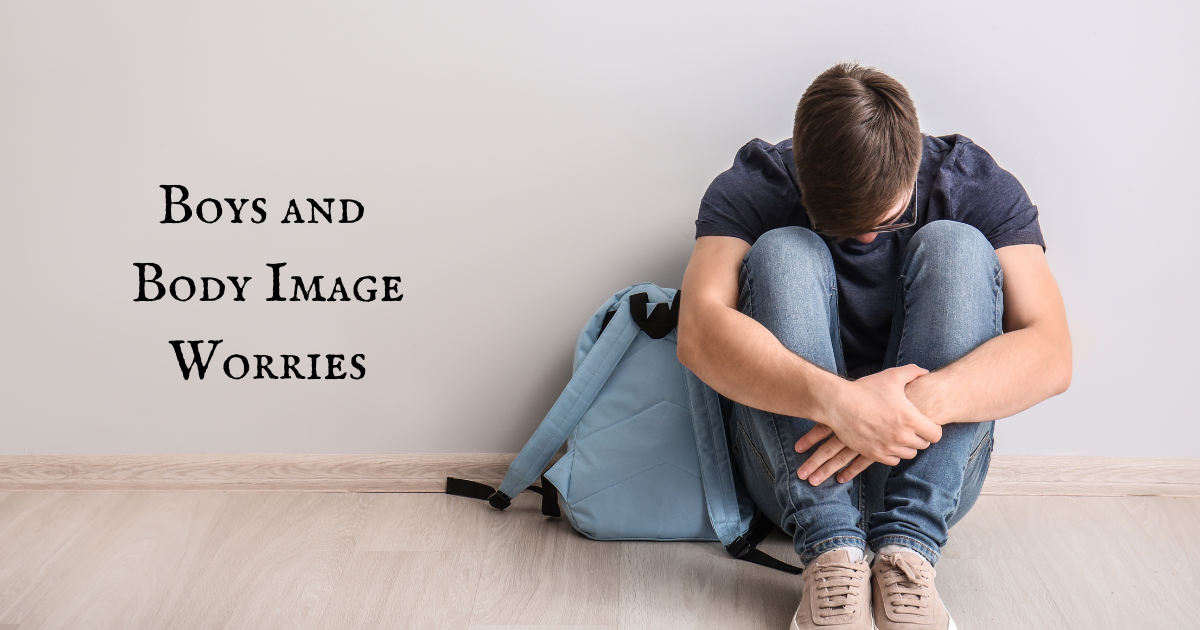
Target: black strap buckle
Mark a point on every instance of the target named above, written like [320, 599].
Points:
[738, 547]
[746, 547]
[499, 500]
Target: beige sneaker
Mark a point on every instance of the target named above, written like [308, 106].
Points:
[835, 595]
[905, 598]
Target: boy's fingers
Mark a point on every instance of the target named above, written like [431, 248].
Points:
[928, 430]
[856, 467]
[836, 463]
[814, 435]
[831, 447]
[912, 371]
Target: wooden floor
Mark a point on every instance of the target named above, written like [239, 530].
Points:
[251, 560]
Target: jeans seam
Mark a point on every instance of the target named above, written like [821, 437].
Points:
[903, 297]
[998, 298]
[863, 517]
[836, 542]
[862, 509]
[963, 475]
[788, 489]
[835, 326]
[746, 290]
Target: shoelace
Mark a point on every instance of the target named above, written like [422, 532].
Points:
[904, 585]
[839, 588]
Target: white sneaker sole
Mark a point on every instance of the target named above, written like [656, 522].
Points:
[953, 626]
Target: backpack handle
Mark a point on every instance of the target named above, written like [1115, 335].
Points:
[661, 321]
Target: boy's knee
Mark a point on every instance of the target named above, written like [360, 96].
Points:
[953, 246]
[790, 250]
[953, 256]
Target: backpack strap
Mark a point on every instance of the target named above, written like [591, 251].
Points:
[575, 400]
[484, 492]
[732, 515]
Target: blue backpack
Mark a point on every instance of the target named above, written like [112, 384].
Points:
[647, 454]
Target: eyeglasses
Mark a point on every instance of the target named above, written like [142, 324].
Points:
[893, 227]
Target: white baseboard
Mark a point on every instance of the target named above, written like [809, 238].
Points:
[1009, 475]
[1093, 476]
[269, 471]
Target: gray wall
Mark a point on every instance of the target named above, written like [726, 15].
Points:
[503, 152]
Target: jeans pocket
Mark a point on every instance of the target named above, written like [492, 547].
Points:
[987, 440]
[748, 444]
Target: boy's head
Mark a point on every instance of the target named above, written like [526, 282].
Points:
[857, 147]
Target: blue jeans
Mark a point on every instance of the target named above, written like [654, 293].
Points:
[948, 302]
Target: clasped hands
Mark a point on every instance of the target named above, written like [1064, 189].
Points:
[869, 420]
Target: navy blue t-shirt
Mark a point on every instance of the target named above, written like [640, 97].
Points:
[957, 180]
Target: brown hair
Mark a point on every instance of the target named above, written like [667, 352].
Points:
[857, 145]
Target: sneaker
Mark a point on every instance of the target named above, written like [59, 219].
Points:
[904, 594]
[836, 595]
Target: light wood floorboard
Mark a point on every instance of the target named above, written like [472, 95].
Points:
[1101, 568]
[229, 512]
[983, 534]
[279, 569]
[984, 558]
[539, 571]
[997, 593]
[694, 586]
[1173, 525]
[408, 589]
[39, 541]
[334, 561]
[123, 568]
[427, 522]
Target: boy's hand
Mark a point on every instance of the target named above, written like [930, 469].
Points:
[872, 420]
[830, 458]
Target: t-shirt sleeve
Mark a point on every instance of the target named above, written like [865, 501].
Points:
[755, 195]
[991, 199]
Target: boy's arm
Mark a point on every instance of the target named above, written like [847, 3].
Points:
[742, 360]
[1029, 363]
[1010, 373]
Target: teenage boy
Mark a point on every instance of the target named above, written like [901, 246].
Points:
[870, 299]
